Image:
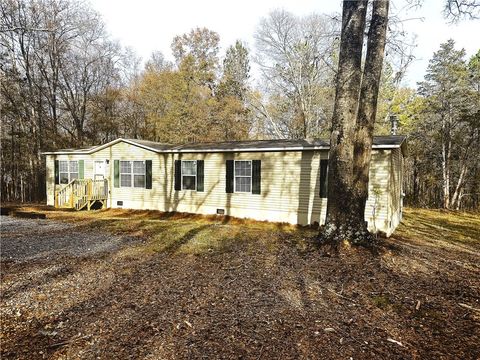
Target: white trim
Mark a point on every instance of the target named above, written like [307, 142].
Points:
[176, 151]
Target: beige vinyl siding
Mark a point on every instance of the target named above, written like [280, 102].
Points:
[313, 209]
[290, 188]
[278, 200]
[50, 179]
[395, 187]
[132, 197]
[289, 184]
[135, 198]
[376, 209]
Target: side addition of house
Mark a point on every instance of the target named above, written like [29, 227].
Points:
[274, 180]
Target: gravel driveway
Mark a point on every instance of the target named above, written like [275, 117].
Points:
[27, 239]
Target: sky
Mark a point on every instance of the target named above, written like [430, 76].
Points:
[148, 25]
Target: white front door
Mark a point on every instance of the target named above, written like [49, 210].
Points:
[99, 170]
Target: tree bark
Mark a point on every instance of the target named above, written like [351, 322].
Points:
[340, 164]
[352, 123]
[367, 110]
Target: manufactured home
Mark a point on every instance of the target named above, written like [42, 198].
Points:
[274, 180]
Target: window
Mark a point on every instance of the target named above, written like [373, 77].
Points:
[63, 172]
[67, 171]
[73, 167]
[132, 173]
[139, 174]
[125, 174]
[189, 175]
[243, 176]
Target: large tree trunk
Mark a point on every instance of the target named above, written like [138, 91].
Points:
[340, 164]
[367, 110]
[352, 122]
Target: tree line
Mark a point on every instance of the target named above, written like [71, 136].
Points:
[66, 83]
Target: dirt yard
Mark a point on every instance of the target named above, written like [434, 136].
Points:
[119, 284]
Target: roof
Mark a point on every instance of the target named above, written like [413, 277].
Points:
[379, 142]
[283, 144]
[75, 150]
[151, 144]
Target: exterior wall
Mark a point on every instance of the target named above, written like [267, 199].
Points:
[51, 186]
[395, 188]
[50, 179]
[289, 185]
[281, 178]
[134, 198]
[376, 209]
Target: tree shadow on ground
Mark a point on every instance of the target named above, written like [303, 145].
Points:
[251, 299]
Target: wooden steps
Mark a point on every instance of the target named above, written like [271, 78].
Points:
[82, 193]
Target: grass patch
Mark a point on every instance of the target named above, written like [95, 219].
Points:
[381, 301]
[189, 233]
[441, 226]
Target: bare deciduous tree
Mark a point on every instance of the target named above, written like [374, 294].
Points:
[296, 57]
[56, 62]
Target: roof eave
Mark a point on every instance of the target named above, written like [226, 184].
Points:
[100, 147]
[272, 149]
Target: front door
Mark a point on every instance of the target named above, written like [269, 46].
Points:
[99, 170]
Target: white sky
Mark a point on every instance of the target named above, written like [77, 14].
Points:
[149, 25]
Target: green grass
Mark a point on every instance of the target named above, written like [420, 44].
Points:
[441, 226]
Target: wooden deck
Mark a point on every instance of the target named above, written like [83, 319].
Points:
[82, 193]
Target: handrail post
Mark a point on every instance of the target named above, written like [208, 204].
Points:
[72, 192]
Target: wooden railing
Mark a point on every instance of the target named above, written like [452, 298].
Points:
[99, 189]
[63, 197]
[79, 193]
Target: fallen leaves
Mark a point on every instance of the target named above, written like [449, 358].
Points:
[267, 295]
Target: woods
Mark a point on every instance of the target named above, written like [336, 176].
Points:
[66, 83]
[448, 134]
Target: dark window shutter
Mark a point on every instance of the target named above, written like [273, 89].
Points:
[148, 174]
[200, 175]
[229, 177]
[256, 176]
[81, 169]
[116, 173]
[178, 175]
[57, 174]
[323, 178]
